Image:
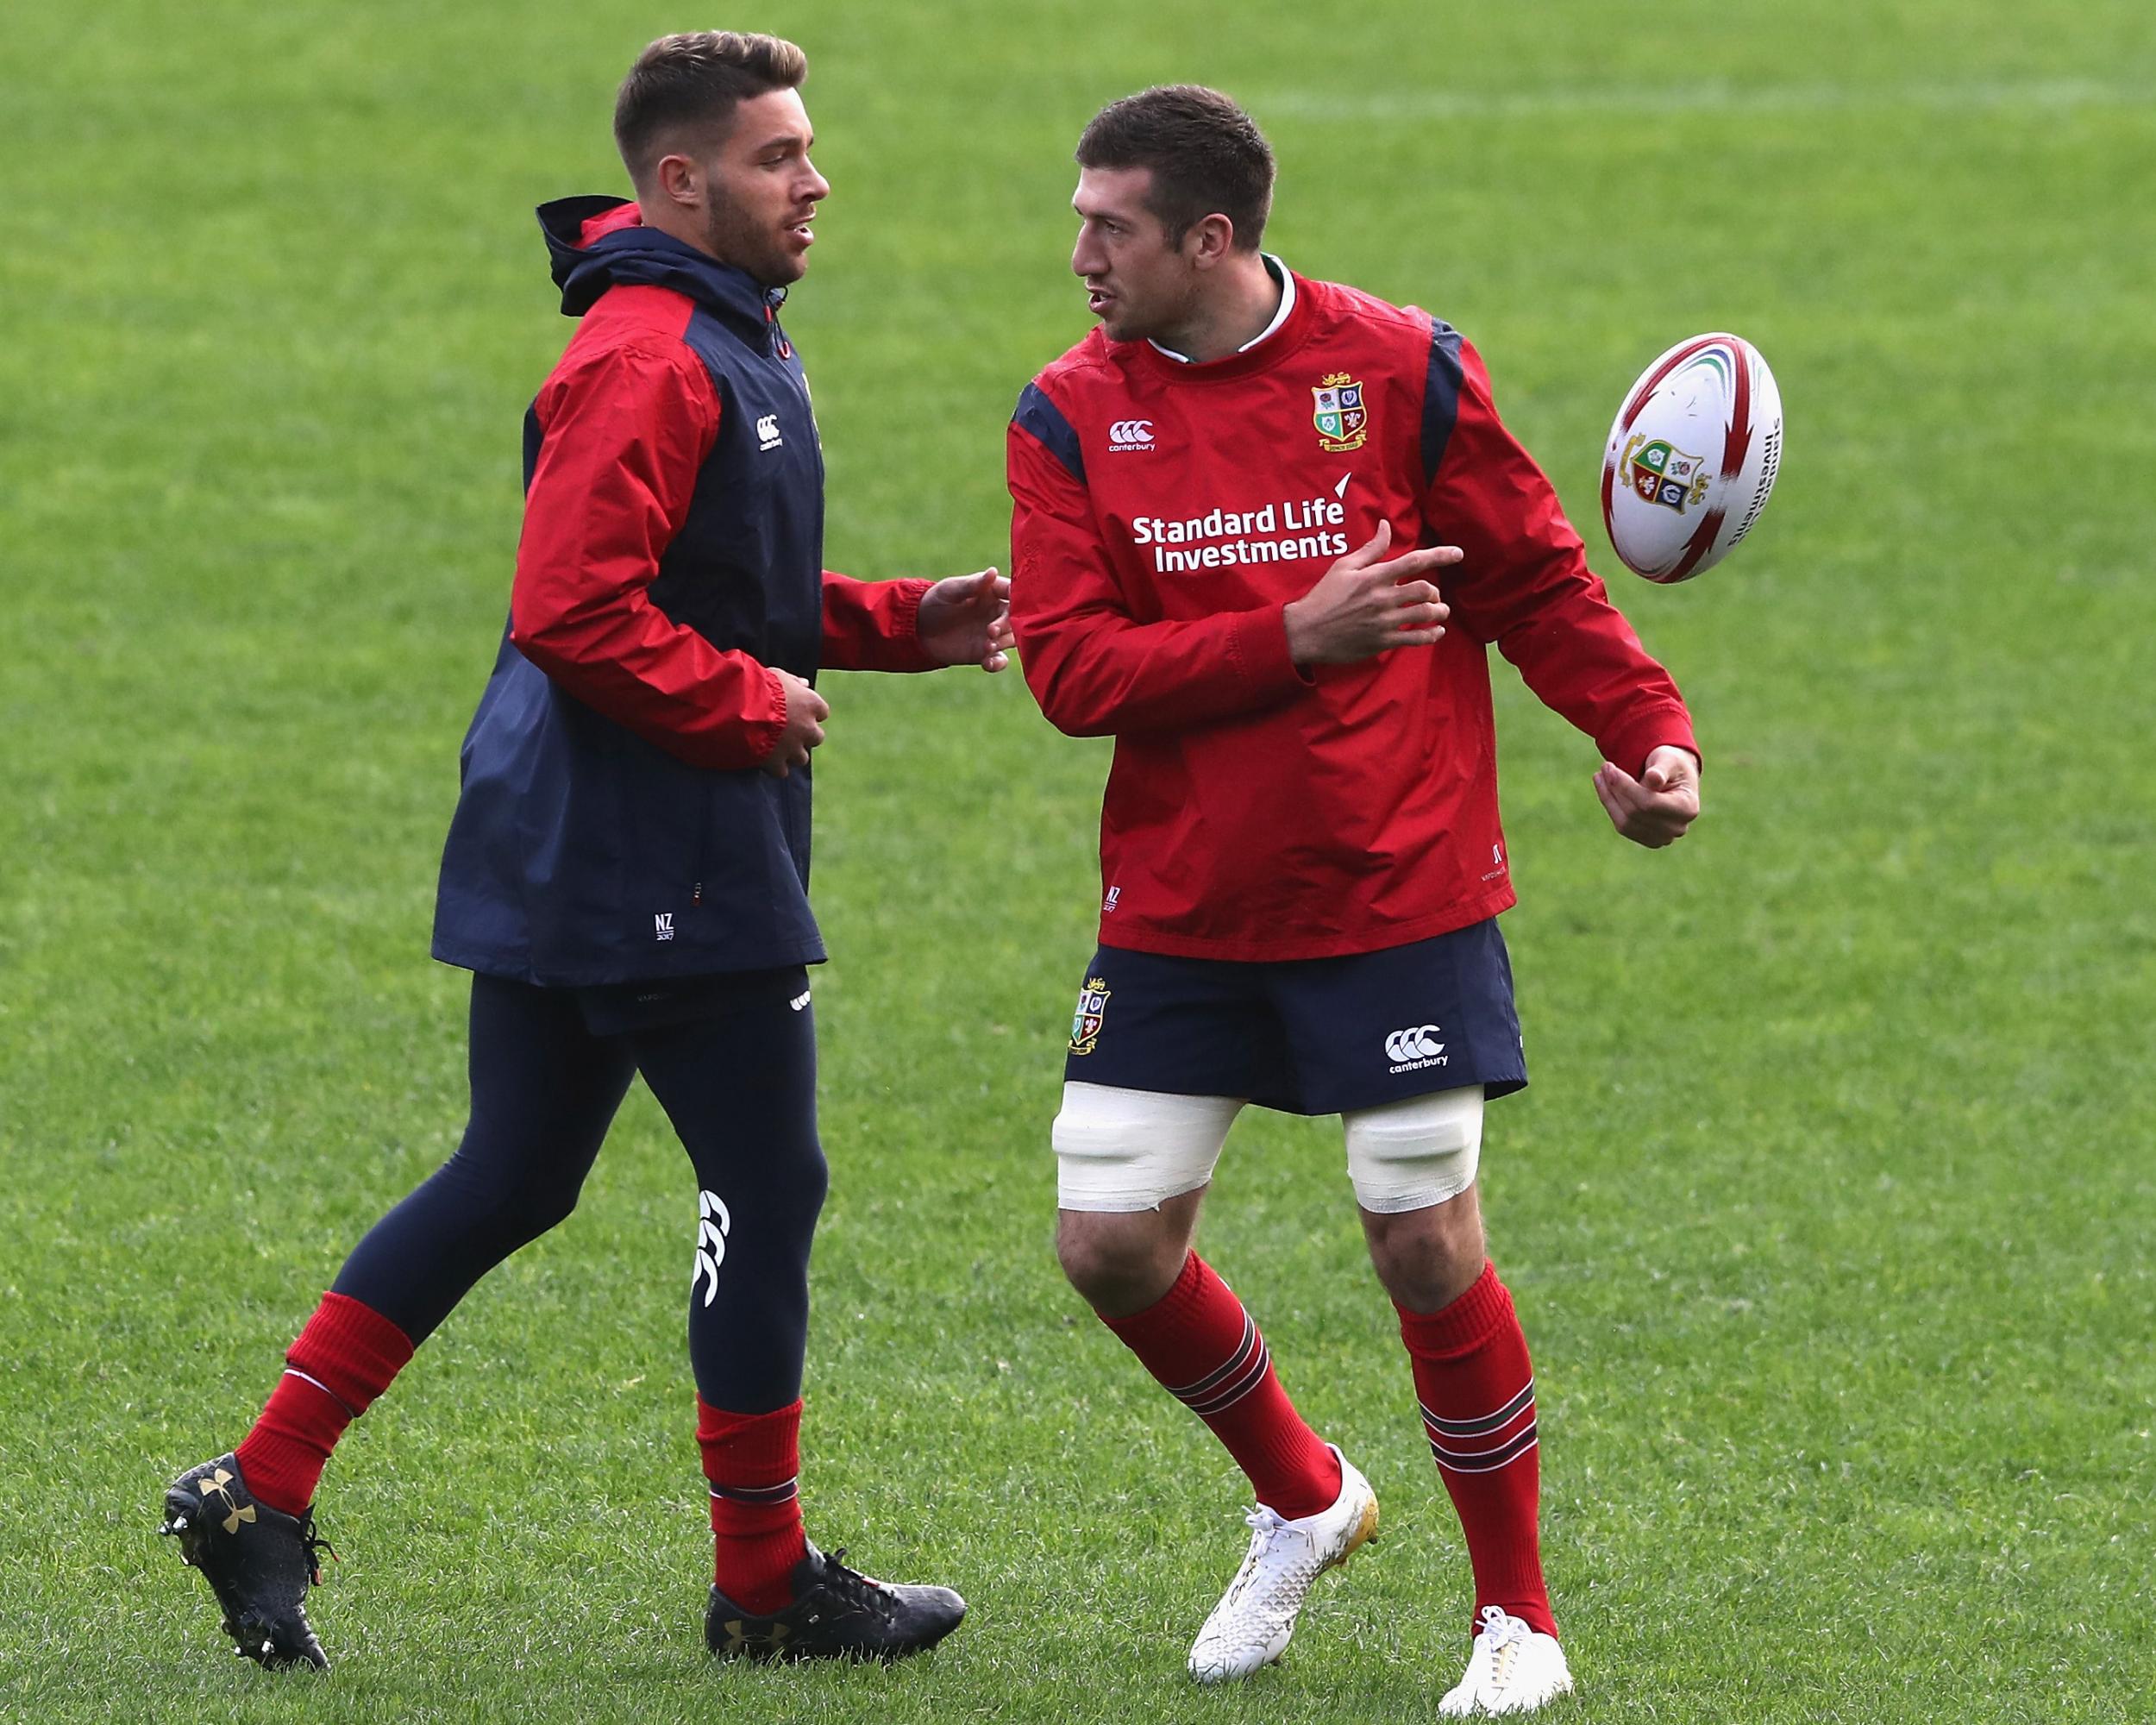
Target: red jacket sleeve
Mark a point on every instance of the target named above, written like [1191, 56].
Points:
[1095, 665]
[870, 625]
[1525, 584]
[624, 435]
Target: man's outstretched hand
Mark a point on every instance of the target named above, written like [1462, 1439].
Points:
[966, 620]
[1655, 808]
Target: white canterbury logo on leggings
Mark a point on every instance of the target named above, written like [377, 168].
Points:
[713, 1223]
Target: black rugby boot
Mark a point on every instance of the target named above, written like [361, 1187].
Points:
[258, 1561]
[837, 1614]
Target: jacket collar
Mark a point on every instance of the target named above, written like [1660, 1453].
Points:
[1282, 339]
[598, 242]
[1285, 279]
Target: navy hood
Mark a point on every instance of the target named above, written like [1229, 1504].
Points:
[595, 242]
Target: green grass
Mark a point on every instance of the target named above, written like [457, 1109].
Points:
[1828, 1211]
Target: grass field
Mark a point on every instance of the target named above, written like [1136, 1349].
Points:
[1829, 1212]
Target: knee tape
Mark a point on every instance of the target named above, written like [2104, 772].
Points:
[1124, 1150]
[1410, 1154]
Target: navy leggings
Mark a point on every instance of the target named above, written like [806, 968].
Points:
[731, 1060]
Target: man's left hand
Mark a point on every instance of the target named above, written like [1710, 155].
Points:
[1655, 808]
[966, 620]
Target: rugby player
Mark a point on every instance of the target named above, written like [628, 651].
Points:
[626, 873]
[1265, 530]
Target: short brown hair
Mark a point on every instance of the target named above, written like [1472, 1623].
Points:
[1206, 156]
[694, 81]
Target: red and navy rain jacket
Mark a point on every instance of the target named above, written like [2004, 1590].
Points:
[613, 825]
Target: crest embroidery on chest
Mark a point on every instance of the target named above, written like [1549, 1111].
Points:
[1338, 411]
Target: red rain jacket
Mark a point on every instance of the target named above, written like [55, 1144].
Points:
[1163, 516]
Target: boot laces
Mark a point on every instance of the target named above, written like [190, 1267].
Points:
[1265, 1525]
[864, 1591]
[1503, 1635]
[313, 1543]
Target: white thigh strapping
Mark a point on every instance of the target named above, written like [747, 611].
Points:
[1410, 1154]
[1124, 1150]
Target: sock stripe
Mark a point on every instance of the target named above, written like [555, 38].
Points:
[1236, 1359]
[758, 1494]
[1203, 1348]
[1236, 1389]
[1488, 1461]
[1489, 1422]
[350, 1412]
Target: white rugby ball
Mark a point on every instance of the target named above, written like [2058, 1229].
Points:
[1692, 457]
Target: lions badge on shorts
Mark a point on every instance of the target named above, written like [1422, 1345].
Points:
[1092, 1007]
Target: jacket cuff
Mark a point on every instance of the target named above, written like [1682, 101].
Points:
[1640, 734]
[906, 610]
[764, 733]
[905, 624]
[1258, 648]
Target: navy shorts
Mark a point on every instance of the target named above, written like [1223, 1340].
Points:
[1306, 1036]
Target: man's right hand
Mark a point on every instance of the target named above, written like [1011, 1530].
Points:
[1363, 606]
[805, 711]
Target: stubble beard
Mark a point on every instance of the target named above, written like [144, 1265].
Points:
[1173, 311]
[730, 236]
[1163, 324]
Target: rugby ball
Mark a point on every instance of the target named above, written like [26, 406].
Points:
[1692, 457]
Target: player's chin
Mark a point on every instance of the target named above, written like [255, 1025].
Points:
[777, 270]
[790, 259]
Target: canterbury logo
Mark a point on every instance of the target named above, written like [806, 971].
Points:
[1417, 1042]
[1130, 434]
[713, 1223]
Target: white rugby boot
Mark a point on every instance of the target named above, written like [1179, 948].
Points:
[1251, 1626]
[1513, 1669]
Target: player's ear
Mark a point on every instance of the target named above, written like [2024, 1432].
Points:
[1210, 238]
[679, 178]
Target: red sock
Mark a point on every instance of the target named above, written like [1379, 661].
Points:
[1197, 1340]
[343, 1359]
[1477, 1390]
[754, 1463]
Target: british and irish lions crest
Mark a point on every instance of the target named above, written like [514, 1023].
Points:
[1092, 1007]
[1341, 420]
[1661, 473]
